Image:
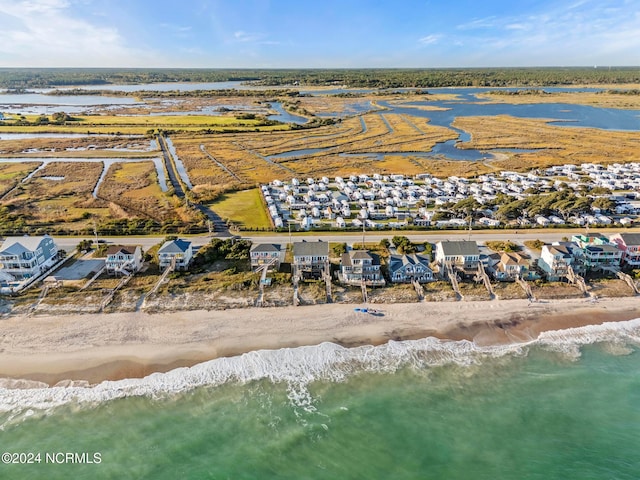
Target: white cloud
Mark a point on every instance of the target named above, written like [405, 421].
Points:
[580, 33]
[242, 36]
[46, 33]
[430, 39]
[487, 22]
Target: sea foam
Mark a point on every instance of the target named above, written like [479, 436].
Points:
[302, 365]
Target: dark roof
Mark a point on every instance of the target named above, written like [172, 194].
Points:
[310, 249]
[265, 247]
[459, 247]
[125, 249]
[175, 246]
[630, 238]
[602, 248]
[564, 250]
[347, 258]
[397, 261]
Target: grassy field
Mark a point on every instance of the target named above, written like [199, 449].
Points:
[602, 99]
[134, 187]
[79, 146]
[140, 124]
[244, 208]
[67, 199]
[557, 144]
[12, 173]
[245, 155]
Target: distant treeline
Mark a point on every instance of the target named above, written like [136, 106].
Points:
[363, 78]
[529, 91]
[633, 91]
[229, 92]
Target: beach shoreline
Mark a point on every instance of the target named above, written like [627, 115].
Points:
[87, 349]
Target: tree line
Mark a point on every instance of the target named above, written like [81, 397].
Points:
[16, 78]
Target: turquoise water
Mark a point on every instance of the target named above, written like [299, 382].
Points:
[540, 412]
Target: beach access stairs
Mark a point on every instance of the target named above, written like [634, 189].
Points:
[419, 289]
[482, 276]
[451, 275]
[327, 281]
[94, 278]
[577, 280]
[525, 287]
[629, 281]
[296, 294]
[163, 277]
[126, 278]
[363, 287]
[39, 300]
[263, 269]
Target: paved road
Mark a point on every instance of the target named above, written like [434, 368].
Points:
[173, 176]
[69, 243]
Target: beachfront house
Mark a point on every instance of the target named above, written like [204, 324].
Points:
[629, 244]
[178, 251]
[123, 259]
[462, 255]
[410, 267]
[507, 266]
[25, 257]
[358, 267]
[604, 257]
[271, 254]
[598, 252]
[583, 240]
[555, 260]
[310, 259]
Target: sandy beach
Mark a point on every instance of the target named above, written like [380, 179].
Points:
[93, 348]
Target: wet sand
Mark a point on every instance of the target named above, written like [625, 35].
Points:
[97, 347]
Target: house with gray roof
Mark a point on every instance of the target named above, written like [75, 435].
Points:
[310, 259]
[271, 254]
[462, 255]
[25, 257]
[360, 266]
[629, 244]
[555, 260]
[178, 251]
[410, 267]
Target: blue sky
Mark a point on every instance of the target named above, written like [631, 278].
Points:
[321, 34]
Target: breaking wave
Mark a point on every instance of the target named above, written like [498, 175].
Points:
[300, 366]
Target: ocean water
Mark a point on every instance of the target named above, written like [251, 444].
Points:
[566, 406]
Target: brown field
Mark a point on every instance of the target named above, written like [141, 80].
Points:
[603, 100]
[43, 201]
[75, 146]
[243, 154]
[558, 144]
[134, 187]
[12, 173]
[330, 105]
